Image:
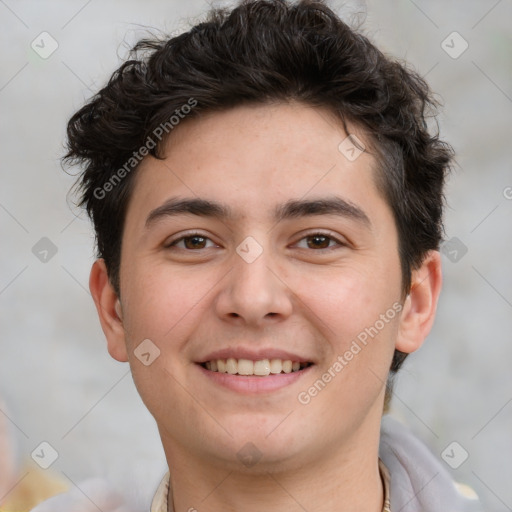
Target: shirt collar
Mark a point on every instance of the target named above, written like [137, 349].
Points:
[159, 503]
[384, 474]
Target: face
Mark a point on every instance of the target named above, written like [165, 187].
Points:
[257, 246]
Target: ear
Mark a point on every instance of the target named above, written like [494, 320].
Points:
[420, 305]
[109, 310]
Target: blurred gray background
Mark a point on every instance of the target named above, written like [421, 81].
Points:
[56, 378]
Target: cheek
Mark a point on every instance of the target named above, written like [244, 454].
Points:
[347, 301]
[356, 313]
[161, 302]
[163, 309]
[360, 325]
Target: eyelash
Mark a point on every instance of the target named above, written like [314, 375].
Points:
[328, 235]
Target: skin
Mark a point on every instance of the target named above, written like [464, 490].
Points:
[189, 301]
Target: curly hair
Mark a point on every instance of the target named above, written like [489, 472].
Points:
[258, 52]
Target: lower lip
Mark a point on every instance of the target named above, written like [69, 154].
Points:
[250, 384]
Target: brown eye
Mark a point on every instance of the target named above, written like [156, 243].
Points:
[318, 241]
[195, 242]
[192, 242]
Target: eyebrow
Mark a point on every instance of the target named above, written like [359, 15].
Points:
[332, 205]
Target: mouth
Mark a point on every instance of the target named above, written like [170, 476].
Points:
[260, 368]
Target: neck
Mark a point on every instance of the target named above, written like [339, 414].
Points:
[341, 480]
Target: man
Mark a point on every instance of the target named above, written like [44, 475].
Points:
[267, 201]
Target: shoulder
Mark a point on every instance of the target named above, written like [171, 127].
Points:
[89, 496]
[418, 479]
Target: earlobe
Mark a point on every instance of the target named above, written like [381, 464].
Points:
[109, 310]
[420, 306]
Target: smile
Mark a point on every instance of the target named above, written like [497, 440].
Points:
[260, 368]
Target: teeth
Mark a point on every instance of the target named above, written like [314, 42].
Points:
[247, 367]
[231, 366]
[276, 366]
[262, 367]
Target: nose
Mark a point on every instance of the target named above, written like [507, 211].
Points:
[254, 293]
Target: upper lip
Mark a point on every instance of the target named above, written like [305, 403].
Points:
[253, 355]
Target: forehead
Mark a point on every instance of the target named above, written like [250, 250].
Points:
[256, 157]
